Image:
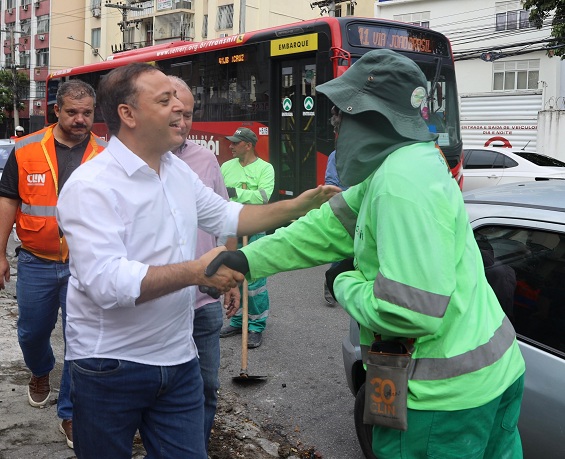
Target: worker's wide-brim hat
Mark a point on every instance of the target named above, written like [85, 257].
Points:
[386, 82]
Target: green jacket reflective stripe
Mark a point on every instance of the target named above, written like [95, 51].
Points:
[428, 285]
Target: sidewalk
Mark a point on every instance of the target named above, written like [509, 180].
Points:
[26, 431]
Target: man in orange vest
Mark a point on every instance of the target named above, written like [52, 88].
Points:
[31, 182]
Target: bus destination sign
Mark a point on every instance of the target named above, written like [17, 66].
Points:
[233, 59]
[396, 38]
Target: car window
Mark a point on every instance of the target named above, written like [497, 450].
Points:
[5, 151]
[540, 160]
[481, 159]
[526, 269]
[508, 162]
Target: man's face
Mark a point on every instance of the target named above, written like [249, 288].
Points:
[239, 149]
[76, 117]
[158, 112]
[187, 99]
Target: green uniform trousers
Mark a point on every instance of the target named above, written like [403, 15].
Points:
[487, 432]
[258, 301]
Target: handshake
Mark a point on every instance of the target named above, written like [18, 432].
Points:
[223, 265]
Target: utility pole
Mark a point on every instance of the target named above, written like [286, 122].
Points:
[242, 8]
[124, 24]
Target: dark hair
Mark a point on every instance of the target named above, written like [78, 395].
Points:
[119, 87]
[75, 89]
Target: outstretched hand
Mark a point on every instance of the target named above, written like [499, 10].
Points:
[234, 261]
[314, 198]
[222, 278]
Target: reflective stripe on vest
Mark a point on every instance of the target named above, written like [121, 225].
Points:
[343, 213]
[38, 211]
[414, 299]
[434, 369]
[263, 194]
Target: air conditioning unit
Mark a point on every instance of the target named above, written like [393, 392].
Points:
[223, 35]
[10, 10]
[96, 12]
[38, 104]
[36, 4]
[25, 7]
[41, 37]
[95, 51]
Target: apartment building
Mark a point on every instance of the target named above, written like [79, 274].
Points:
[505, 74]
[114, 27]
[34, 38]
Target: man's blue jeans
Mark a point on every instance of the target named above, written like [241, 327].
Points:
[41, 289]
[112, 399]
[207, 324]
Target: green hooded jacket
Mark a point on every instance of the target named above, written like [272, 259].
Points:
[419, 274]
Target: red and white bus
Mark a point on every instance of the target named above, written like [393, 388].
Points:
[266, 80]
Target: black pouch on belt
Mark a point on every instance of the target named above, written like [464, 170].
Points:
[386, 386]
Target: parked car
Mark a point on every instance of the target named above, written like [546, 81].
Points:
[491, 166]
[524, 225]
[6, 148]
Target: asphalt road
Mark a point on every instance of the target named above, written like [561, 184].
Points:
[305, 393]
[304, 397]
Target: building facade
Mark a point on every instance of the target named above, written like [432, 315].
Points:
[34, 38]
[112, 28]
[504, 70]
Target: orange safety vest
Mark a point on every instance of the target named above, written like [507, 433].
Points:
[38, 185]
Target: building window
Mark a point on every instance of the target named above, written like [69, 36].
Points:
[515, 75]
[9, 60]
[348, 11]
[25, 59]
[40, 89]
[96, 4]
[25, 26]
[42, 57]
[225, 17]
[421, 19]
[205, 26]
[10, 4]
[43, 24]
[511, 16]
[95, 37]
[23, 92]
[26, 2]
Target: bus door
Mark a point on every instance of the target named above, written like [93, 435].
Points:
[294, 136]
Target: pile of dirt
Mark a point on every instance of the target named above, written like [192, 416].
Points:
[235, 435]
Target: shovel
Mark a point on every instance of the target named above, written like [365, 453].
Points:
[244, 376]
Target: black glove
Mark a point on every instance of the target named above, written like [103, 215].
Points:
[231, 192]
[334, 271]
[235, 260]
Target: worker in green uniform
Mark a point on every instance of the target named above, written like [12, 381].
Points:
[416, 271]
[249, 180]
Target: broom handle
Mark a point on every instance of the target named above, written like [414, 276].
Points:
[245, 320]
[245, 313]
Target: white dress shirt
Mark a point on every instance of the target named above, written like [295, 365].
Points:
[119, 217]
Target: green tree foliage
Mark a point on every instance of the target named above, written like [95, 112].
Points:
[541, 10]
[7, 88]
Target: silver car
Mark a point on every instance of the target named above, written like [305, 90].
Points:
[6, 148]
[520, 229]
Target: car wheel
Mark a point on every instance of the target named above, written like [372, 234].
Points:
[364, 431]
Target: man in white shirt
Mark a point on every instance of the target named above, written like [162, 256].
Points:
[130, 217]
